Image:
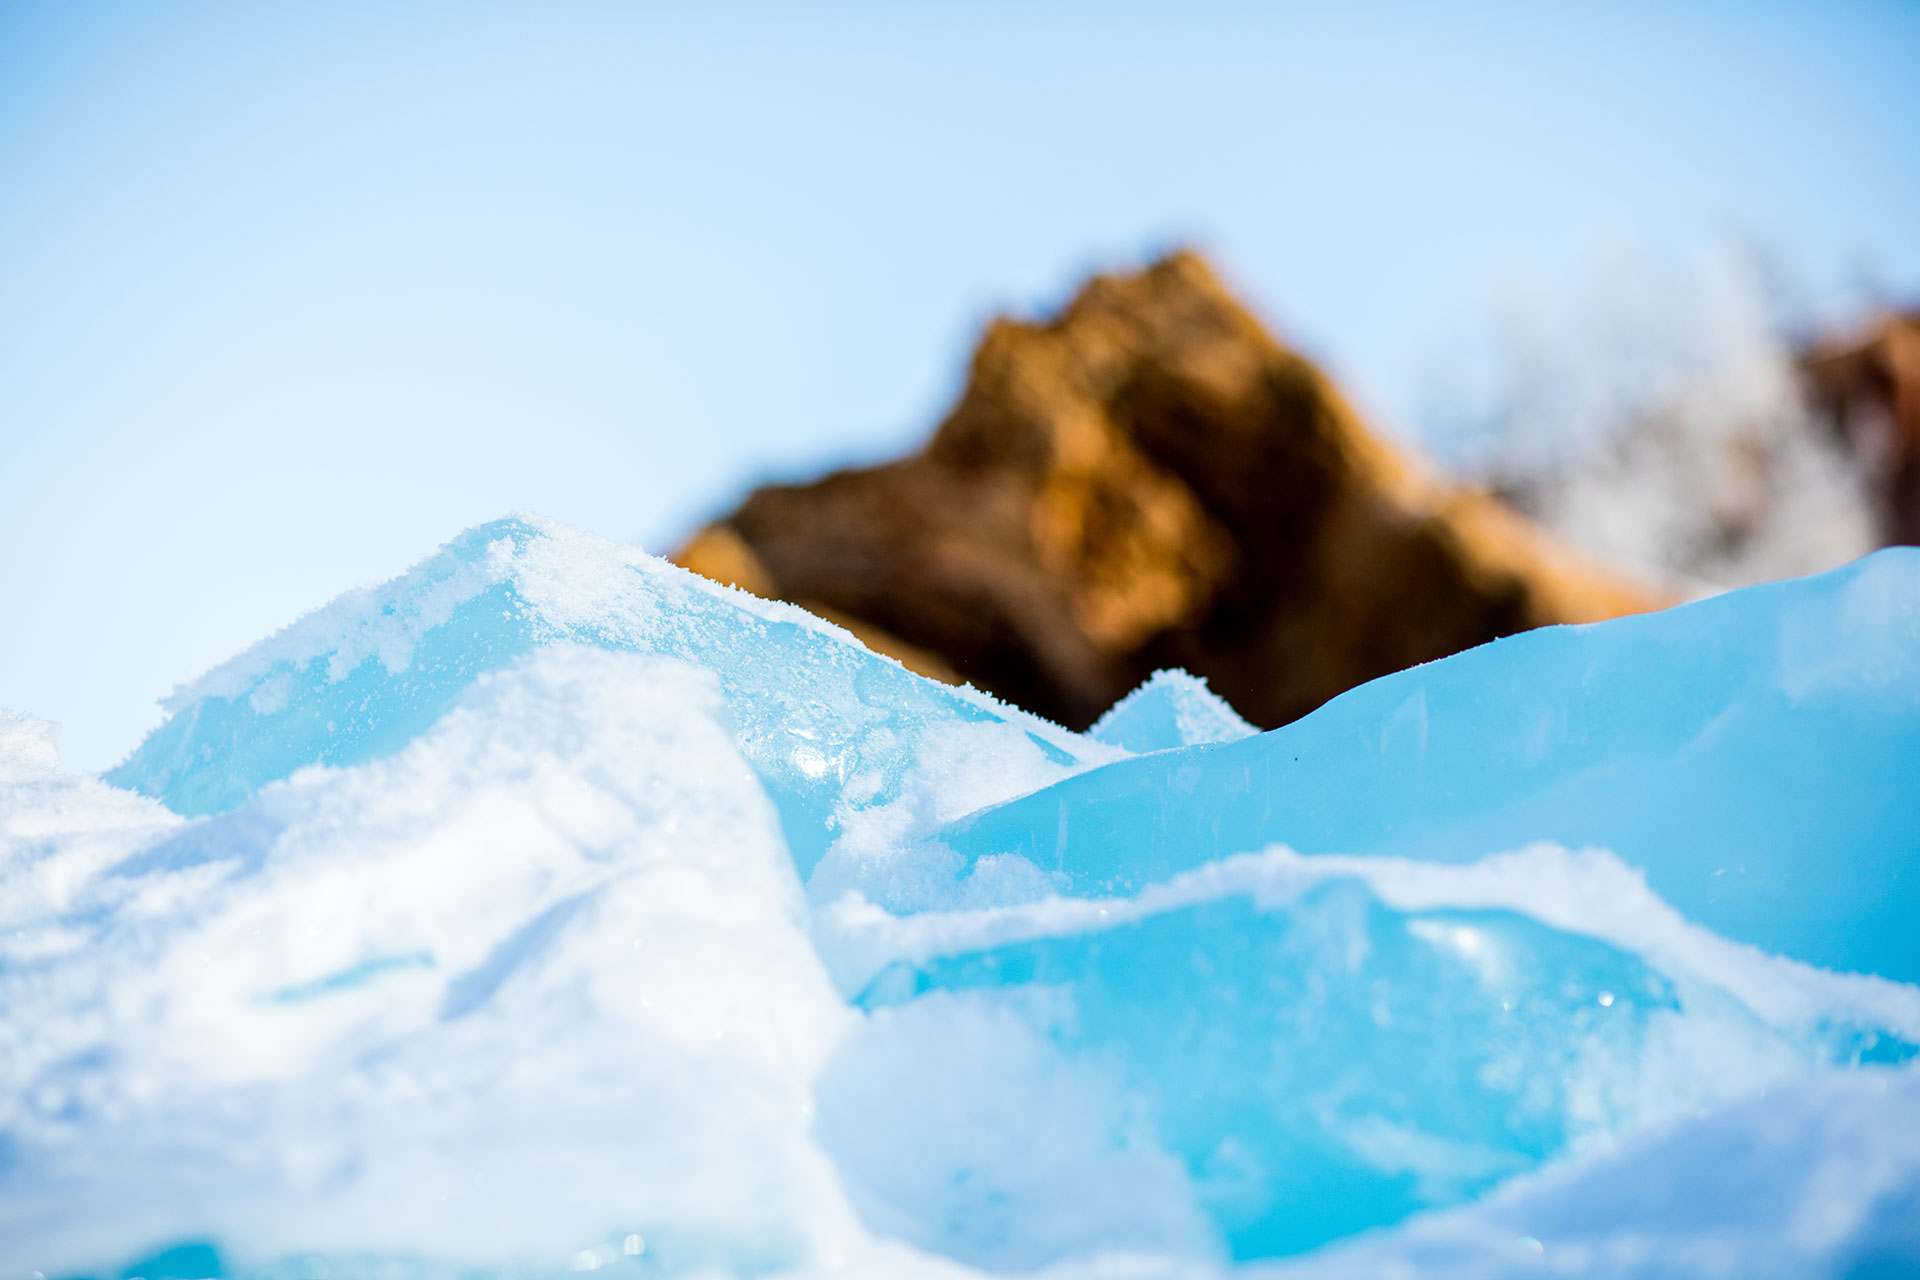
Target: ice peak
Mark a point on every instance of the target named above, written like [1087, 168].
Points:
[1170, 709]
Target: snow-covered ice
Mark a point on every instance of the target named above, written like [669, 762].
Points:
[1172, 709]
[550, 909]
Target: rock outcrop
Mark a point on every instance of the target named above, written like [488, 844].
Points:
[1151, 480]
[1870, 389]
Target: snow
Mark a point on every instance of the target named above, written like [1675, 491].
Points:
[58, 832]
[1172, 709]
[1817, 1177]
[382, 1007]
[549, 909]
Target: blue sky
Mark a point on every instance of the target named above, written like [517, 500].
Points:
[290, 294]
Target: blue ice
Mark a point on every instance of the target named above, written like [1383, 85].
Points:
[1171, 989]
[1754, 753]
[815, 713]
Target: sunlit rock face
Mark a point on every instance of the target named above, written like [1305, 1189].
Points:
[552, 909]
[1151, 480]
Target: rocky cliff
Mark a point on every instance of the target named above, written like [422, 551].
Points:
[1152, 480]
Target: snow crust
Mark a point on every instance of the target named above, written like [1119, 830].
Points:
[1172, 709]
[549, 910]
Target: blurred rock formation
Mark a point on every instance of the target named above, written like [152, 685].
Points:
[1151, 480]
[1870, 390]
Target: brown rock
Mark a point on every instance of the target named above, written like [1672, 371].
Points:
[1152, 480]
[1870, 389]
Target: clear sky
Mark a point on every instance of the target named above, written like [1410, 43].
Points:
[289, 294]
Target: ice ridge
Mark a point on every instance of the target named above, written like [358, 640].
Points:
[1751, 753]
[831, 727]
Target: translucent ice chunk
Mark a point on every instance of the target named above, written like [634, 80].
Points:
[1317, 1060]
[1754, 753]
[831, 727]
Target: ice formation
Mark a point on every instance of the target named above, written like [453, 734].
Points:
[1172, 709]
[549, 909]
[1753, 753]
[833, 730]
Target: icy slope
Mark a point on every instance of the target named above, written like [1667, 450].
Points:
[549, 910]
[1755, 753]
[833, 729]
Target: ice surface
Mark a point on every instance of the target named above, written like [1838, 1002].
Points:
[1819, 1177]
[834, 730]
[1753, 753]
[1324, 1045]
[1172, 709]
[551, 910]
